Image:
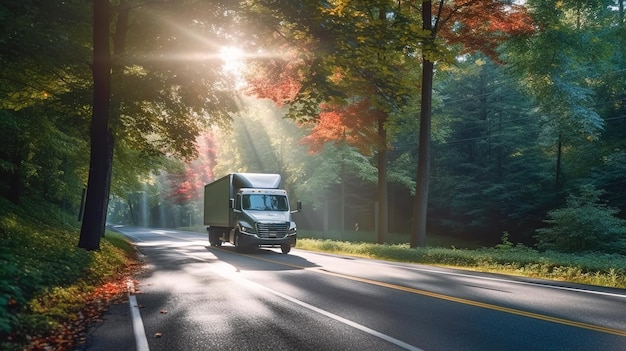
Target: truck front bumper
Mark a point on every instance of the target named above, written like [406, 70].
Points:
[253, 240]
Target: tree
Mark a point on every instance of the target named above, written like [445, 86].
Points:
[420, 207]
[360, 126]
[561, 65]
[41, 116]
[476, 26]
[367, 50]
[187, 184]
[101, 159]
[490, 174]
[585, 224]
[338, 66]
[158, 106]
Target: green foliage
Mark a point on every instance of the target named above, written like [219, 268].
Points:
[487, 154]
[43, 275]
[585, 224]
[592, 268]
[506, 244]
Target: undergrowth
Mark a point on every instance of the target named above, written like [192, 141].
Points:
[591, 268]
[45, 279]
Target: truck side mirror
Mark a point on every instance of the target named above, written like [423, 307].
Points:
[231, 203]
[298, 207]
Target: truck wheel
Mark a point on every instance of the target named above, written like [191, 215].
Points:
[214, 238]
[285, 248]
[238, 246]
[210, 237]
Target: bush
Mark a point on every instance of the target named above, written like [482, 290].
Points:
[585, 224]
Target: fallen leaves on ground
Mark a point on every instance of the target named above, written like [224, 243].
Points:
[73, 332]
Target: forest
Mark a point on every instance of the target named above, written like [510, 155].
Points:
[466, 119]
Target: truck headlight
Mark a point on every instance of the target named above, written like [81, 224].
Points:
[245, 229]
[292, 228]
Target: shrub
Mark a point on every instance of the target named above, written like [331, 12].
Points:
[585, 224]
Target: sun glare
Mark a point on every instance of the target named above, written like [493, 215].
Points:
[233, 59]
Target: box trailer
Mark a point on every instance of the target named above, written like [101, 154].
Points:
[249, 210]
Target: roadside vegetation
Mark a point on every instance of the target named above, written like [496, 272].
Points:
[593, 268]
[507, 258]
[49, 288]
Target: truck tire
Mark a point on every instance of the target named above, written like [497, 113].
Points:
[214, 239]
[210, 237]
[285, 248]
[238, 246]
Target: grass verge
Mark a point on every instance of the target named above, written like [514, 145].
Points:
[506, 258]
[593, 268]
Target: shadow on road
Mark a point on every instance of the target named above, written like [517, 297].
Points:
[260, 259]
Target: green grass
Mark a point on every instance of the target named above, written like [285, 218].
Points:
[594, 268]
[391, 238]
[45, 279]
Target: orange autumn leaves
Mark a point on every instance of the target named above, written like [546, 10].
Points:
[296, 76]
[354, 124]
[280, 80]
[72, 331]
[482, 25]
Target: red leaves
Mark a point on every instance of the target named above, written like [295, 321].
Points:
[481, 25]
[279, 81]
[187, 185]
[72, 331]
[355, 124]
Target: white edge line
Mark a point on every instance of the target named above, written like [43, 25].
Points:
[512, 281]
[348, 322]
[548, 284]
[355, 325]
[141, 342]
[542, 285]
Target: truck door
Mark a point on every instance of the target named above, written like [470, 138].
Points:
[236, 211]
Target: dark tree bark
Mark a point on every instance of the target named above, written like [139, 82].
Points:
[418, 230]
[383, 215]
[559, 153]
[100, 164]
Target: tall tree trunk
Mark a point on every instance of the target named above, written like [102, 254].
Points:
[326, 216]
[418, 230]
[559, 153]
[383, 212]
[100, 164]
[343, 197]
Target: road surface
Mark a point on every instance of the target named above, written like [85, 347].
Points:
[194, 297]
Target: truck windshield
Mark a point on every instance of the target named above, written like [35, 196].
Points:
[264, 202]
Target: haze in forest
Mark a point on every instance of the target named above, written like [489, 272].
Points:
[126, 114]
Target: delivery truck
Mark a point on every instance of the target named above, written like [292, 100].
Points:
[249, 210]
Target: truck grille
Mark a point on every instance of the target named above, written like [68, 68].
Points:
[272, 230]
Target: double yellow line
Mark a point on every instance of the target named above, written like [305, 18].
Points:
[538, 316]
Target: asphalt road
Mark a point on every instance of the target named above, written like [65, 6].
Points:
[194, 297]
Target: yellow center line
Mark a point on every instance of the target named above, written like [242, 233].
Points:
[513, 311]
